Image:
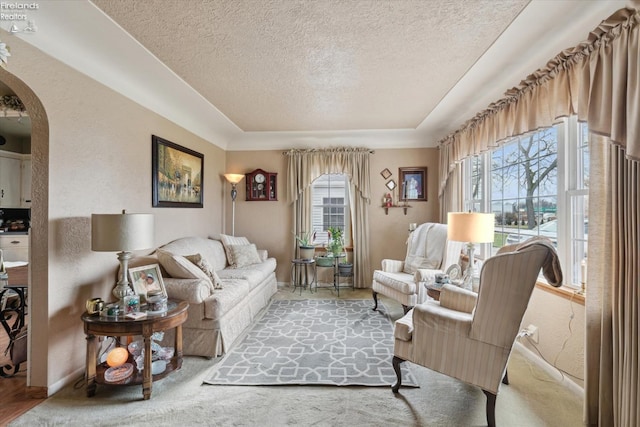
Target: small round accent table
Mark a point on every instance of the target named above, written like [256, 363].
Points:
[117, 326]
[300, 274]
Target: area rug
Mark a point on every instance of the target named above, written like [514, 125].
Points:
[314, 342]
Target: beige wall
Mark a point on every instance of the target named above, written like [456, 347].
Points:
[269, 224]
[389, 232]
[561, 326]
[99, 159]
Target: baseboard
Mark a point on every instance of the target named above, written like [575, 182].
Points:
[62, 383]
[552, 371]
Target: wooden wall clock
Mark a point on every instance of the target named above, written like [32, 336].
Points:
[262, 185]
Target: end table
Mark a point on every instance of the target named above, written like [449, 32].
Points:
[117, 326]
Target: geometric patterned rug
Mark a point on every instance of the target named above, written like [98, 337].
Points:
[314, 342]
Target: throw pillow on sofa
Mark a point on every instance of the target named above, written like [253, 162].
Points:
[206, 268]
[180, 267]
[244, 255]
[228, 241]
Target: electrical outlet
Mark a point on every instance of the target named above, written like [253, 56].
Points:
[532, 333]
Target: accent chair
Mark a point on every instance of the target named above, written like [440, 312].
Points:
[470, 336]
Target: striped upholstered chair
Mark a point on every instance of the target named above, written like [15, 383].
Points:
[469, 336]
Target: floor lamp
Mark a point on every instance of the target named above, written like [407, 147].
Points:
[472, 228]
[122, 233]
[234, 179]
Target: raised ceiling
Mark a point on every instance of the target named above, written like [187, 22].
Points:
[264, 74]
[300, 65]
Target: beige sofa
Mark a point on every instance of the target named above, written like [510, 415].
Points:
[224, 301]
[428, 252]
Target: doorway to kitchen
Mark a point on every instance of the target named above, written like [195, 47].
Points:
[30, 216]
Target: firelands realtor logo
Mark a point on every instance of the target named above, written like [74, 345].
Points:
[10, 11]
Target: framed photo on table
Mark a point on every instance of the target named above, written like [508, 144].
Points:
[147, 278]
[177, 175]
[413, 184]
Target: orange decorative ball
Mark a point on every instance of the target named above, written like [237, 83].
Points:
[117, 357]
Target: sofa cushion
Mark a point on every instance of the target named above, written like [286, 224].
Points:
[401, 282]
[210, 249]
[253, 276]
[244, 255]
[206, 268]
[179, 267]
[228, 241]
[218, 304]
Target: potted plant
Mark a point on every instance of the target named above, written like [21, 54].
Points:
[305, 243]
[336, 244]
[345, 269]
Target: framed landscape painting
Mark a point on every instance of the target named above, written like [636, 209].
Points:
[177, 175]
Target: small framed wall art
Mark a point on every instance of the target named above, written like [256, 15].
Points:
[391, 184]
[386, 173]
[413, 183]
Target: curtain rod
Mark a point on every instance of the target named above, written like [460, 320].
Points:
[327, 150]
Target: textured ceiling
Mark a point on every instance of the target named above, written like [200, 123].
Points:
[291, 65]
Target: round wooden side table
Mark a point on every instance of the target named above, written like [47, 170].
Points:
[119, 326]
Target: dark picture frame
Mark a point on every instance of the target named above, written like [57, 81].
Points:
[177, 175]
[413, 184]
[386, 173]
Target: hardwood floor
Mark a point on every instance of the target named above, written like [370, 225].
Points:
[14, 401]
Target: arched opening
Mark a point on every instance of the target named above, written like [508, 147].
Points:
[38, 287]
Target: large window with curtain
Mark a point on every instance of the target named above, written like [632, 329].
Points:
[330, 206]
[536, 185]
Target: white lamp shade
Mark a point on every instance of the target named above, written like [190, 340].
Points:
[470, 227]
[233, 178]
[121, 232]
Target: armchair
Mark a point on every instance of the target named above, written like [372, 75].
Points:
[469, 336]
[428, 252]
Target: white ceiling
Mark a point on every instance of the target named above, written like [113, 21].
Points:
[272, 74]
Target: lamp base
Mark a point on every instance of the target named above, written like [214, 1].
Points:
[122, 288]
[470, 272]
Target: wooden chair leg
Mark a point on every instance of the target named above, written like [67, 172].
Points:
[396, 367]
[491, 408]
[505, 379]
[375, 300]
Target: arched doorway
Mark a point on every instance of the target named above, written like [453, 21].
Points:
[37, 366]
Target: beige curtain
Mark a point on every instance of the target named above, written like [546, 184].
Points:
[306, 165]
[451, 195]
[599, 81]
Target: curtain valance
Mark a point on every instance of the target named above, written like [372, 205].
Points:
[598, 80]
[305, 165]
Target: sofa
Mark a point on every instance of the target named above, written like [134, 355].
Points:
[227, 282]
[428, 252]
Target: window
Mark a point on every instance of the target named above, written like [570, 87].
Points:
[536, 185]
[330, 207]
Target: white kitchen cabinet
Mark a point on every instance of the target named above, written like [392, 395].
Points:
[25, 183]
[15, 247]
[10, 181]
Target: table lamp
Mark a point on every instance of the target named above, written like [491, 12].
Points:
[234, 179]
[472, 228]
[122, 233]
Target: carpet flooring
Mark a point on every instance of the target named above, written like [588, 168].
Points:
[533, 398]
[314, 342]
